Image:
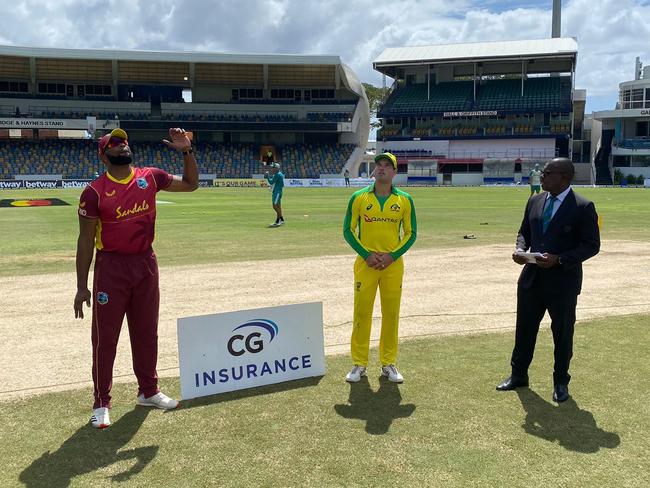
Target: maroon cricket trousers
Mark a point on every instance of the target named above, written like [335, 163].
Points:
[125, 284]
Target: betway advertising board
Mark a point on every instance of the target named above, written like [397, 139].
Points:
[51, 184]
[250, 348]
[41, 184]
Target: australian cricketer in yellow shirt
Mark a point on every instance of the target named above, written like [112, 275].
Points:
[380, 225]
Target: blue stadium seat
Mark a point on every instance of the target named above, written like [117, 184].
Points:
[78, 158]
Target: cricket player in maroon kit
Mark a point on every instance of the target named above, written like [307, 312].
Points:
[117, 215]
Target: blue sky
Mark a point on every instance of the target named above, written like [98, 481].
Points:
[506, 5]
[610, 33]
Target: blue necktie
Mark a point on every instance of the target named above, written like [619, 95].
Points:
[548, 213]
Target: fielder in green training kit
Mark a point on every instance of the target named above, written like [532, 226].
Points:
[534, 178]
[276, 182]
[380, 226]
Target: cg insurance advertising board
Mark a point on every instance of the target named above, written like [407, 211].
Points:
[236, 350]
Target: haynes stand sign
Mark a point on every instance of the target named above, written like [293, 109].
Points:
[236, 350]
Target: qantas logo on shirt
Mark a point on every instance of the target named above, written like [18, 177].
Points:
[380, 219]
[137, 208]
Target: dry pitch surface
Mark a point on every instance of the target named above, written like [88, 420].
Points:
[445, 292]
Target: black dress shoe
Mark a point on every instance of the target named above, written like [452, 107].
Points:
[513, 382]
[560, 393]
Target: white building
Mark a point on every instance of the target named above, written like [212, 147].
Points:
[620, 138]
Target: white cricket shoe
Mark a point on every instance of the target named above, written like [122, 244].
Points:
[275, 224]
[390, 371]
[354, 376]
[100, 418]
[280, 223]
[159, 400]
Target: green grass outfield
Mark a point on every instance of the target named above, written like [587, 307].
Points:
[445, 426]
[219, 224]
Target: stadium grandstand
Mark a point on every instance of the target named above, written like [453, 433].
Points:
[481, 113]
[620, 138]
[311, 112]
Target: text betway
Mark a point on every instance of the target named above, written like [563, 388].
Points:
[48, 184]
[11, 185]
[40, 184]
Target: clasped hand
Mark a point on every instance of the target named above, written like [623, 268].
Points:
[379, 260]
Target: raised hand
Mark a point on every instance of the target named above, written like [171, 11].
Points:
[179, 140]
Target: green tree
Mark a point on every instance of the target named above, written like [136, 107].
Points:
[375, 96]
[618, 176]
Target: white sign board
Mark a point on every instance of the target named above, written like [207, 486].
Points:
[326, 182]
[81, 124]
[249, 348]
[470, 114]
[92, 124]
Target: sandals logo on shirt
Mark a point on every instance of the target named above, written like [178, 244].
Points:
[102, 298]
[142, 183]
[136, 209]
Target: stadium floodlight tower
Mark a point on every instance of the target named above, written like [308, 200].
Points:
[556, 25]
[482, 112]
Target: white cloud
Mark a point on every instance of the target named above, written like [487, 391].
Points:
[610, 33]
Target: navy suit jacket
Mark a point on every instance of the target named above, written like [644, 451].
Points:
[572, 234]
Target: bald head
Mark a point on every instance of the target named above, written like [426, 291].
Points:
[564, 165]
[557, 175]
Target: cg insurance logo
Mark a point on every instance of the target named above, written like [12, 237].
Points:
[252, 336]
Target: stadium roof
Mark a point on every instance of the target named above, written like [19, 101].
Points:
[169, 56]
[566, 46]
[561, 51]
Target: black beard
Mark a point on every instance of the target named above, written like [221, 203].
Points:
[120, 160]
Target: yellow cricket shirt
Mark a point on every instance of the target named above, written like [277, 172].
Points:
[374, 226]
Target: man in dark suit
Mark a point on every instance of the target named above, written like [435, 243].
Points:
[563, 227]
